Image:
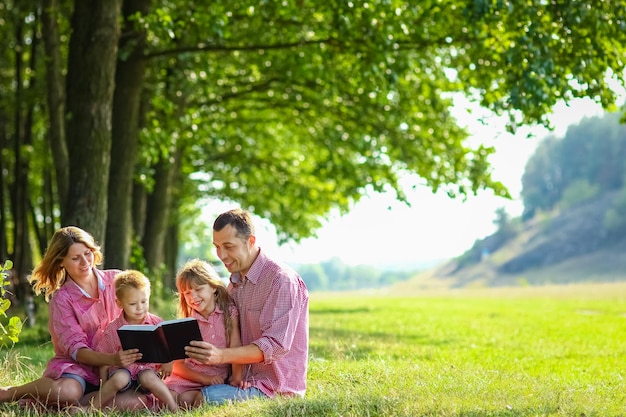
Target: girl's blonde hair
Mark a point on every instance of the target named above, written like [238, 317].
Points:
[48, 275]
[197, 272]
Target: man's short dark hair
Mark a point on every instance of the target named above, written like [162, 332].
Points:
[240, 219]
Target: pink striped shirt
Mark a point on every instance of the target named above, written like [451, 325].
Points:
[109, 342]
[214, 332]
[273, 304]
[75, 319]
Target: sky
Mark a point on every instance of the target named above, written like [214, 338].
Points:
[383, 232]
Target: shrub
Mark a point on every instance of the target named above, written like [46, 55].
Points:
[11, 328]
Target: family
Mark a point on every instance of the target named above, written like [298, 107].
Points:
[255, 331]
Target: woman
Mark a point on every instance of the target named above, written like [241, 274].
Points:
[81, 303]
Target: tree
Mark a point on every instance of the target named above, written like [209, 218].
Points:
[91, 74]
[587, 161]
[295, 108]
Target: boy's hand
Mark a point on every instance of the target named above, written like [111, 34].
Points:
[124, 358]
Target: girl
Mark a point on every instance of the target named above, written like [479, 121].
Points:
[203, 295]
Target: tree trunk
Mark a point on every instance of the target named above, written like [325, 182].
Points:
[129, 80]
[56, 104]
[90, 85]
[140, 202]
[158, 211]
[23, 128]
[4, 144]
[171, 255]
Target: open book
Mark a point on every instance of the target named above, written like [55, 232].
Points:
[160, 343]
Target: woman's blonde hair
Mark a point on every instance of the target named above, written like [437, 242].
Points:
[48, 275]
[198, 272]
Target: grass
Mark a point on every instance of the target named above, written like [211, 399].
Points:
[533, 351]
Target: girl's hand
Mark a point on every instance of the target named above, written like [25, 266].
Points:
[166, 369]
[126, 357]
[240, 384]
[213, 380]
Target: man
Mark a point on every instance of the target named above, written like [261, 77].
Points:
[273, 304]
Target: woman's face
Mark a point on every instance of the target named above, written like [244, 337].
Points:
[78, 262]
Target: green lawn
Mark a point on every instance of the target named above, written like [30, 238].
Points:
[534, 351]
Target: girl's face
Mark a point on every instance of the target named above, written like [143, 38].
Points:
[78, 262]
[201, 298]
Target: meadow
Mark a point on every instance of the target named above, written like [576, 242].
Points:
[505, 352]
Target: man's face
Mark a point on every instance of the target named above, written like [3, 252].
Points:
[235, 252]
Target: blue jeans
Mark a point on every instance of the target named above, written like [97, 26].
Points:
[223, 393]
[87, 386]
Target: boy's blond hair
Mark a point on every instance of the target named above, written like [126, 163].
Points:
[130, 279]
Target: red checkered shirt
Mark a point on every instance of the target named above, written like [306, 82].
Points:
[273, 304]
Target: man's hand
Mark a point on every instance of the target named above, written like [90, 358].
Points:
[204, 353]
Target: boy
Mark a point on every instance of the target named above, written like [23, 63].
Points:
[132, 291]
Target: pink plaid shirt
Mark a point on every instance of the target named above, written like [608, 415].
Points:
[214, 332]
[75, 319]
[109, 342]
[273, 304]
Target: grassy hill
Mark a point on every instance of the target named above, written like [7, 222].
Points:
[570, 245]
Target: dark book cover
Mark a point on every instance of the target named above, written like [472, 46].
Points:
[160, 343]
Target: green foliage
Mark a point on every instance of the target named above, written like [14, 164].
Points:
[137, 260]
[615, 217]
[578, 192]
[314, 277]
[506, 226]
[197, 241]
[9, 331]
[328, 100]
[334, 275]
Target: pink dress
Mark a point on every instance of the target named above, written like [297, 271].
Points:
[109, 342]
[214, 332]
[75, 319]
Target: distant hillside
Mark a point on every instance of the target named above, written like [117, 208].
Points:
[567, 246]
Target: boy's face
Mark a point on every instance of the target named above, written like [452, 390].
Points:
[135, 303]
